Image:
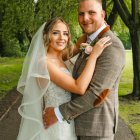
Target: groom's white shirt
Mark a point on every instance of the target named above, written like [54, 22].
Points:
[89, 40]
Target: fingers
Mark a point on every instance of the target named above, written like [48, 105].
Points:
[104, 40]
[107, 44]
[83, 46]
[49, 117]
[44, 119]
[101, 45]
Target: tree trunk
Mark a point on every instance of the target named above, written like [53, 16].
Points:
[135, 39]
[112, 17]
[132, 21]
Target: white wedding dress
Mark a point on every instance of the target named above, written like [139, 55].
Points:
[34, 90]
[54, 97]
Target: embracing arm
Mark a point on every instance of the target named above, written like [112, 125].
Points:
[67, 82]
[107, 71]
[79, 85]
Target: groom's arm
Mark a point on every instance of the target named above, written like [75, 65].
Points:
[107, 71]
[108, 68]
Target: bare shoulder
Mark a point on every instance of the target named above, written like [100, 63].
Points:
[52, 64]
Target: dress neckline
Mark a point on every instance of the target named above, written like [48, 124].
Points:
[64, 68]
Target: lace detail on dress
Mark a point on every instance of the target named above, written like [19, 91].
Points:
[55, 95]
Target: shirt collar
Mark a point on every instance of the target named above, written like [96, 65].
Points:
[95, 34]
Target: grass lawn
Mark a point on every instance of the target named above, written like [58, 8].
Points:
[129, 109]
[10, 69]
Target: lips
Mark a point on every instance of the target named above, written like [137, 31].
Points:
[86, 25]
[61, 43]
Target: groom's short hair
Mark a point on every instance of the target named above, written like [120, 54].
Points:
[100, 1]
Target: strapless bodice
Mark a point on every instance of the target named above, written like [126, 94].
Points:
[55, 95]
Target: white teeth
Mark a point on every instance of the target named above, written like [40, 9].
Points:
[60, 43]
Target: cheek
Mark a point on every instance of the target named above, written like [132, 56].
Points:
[97, 18]
[66, 38]
[52, 40]
[51, 43]
[94, 18]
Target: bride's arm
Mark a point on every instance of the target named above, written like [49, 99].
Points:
[79, 85]
[76, 47]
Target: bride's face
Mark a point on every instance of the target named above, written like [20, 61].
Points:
[59, 37]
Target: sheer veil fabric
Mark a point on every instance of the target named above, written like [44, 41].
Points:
[33, 84]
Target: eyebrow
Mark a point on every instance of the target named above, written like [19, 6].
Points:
[87, 11]
[59, 31]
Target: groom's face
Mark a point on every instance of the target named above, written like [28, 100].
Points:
[90, 16]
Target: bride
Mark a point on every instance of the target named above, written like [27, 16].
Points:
[46, 81]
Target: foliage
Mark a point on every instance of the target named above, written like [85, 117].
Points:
[14, 22]
[123, 33]
[19, 20]
[116, 23]
[10, 69]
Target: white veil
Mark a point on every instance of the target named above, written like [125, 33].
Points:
[33, 84]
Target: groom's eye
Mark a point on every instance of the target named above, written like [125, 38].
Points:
[91, 12]
[81, 13]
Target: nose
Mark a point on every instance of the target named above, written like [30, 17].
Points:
[86, 17]
[61, 36]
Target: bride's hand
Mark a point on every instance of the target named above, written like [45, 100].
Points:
[101, 45]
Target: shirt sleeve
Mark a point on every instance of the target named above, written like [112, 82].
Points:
[58, 114]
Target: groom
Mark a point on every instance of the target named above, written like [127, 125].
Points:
[95, 113]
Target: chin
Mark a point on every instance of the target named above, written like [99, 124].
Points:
[61, 48]
[88, 32]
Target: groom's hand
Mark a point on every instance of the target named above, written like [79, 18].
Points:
[49, 117]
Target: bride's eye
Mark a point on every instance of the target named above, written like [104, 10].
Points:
[55, 33]
[66, 34]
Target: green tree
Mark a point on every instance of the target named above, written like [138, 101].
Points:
[14, 24]
[21, 19]
[116, 23]
[131, 17]
[2, 12]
